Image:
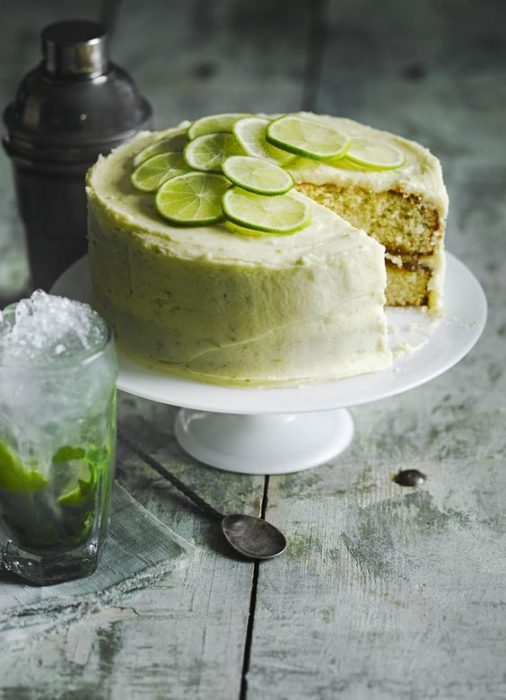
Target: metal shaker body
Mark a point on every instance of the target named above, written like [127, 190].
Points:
[73, 107]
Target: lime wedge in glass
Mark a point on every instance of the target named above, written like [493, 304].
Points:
[78, 495]
[73, 461]
[251, 134]
[153, 172]
[208, 152]
[213, 124]
[67, 453]
[306, 137]
[373, 154]
[174, 143]
[286, 213]
[257, 175]
[193, 199]
[14, 476]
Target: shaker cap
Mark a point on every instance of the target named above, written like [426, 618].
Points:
[75, 48]
[76, 103]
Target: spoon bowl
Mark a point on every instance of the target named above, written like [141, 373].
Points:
[253, 537]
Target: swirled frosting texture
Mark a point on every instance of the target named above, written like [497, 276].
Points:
[210, 303]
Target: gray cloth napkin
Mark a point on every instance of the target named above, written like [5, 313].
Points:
[140, 549]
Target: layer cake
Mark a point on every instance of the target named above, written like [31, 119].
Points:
[210, 303]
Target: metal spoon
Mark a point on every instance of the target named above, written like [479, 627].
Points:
[252, 537]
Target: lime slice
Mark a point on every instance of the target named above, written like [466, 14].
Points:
[193, 199]
[374, 155]
[69, 461]
[153, 172]
[251, 134]
[235, 228]
[307, 138]
[213, 124]
[74, 462]
[68, 453]
[257, 175]
[77, 495]
[174, 143]
[14, 476]
[284, 214]
[208, 152]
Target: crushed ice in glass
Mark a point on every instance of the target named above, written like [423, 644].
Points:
[45, 328]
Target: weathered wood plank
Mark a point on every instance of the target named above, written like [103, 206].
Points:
[184, 634]
[384, 593]
[390, 593]
[170, 637]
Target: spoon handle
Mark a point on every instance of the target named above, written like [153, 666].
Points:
[154, 464]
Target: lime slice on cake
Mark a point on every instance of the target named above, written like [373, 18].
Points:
[193, 199]
[174, 143]
[153, 172]
[257, 175]
[213, 124]
[208, 152]
[251, 134]
[373, 154]
[286, 213]
[306, 137]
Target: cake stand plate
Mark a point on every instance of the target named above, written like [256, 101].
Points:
[276, 430]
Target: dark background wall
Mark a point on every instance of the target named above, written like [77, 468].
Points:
[433, 70]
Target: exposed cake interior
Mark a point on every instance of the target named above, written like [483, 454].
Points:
[410, 230]
[404, 209]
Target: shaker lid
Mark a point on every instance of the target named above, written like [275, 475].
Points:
[75, 47]
[76, 103]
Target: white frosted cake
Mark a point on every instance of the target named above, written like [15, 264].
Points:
[233, 300]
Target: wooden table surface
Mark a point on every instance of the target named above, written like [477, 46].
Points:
[384, 593]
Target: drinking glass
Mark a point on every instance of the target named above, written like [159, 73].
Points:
[57, 458]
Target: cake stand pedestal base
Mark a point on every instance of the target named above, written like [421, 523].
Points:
[264, 444]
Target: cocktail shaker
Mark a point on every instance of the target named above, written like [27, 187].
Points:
[73, 107]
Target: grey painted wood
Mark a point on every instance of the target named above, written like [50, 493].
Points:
[389, 592]
[384, 592]
[182, 634]
[165, 636]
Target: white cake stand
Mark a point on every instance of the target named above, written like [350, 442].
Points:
[288, 429]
